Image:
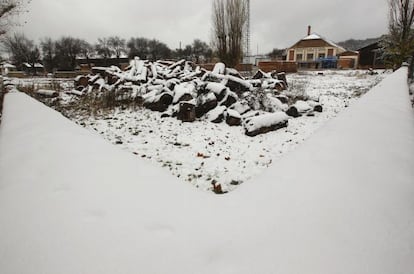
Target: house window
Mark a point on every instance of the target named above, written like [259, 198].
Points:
[321, 55]
[299, 57]
[309, 56]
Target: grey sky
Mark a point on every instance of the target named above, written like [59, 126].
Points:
[273, 23]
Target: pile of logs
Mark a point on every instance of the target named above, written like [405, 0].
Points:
[188, 92]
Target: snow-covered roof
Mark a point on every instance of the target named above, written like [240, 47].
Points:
[36, 65]
[315, 36]
[7, 65]
[349, 53]
[312, 36]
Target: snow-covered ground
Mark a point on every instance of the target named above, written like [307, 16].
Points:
[203, 153]
[340, 203]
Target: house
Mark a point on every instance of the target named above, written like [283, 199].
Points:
[36, 68]
[314, 51]
[348, 60]
[6, 68]
[371, 56]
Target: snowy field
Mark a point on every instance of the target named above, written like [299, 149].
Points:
[202, 153]
[342, 202]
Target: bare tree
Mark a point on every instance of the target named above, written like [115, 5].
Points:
[8, 9]
[399, 43]
[158, 50]
[67, 50]
[86, 49]
[229, 19]
[103, 48]
[236, 19]
[48, 48]
[220, 30]
[21, 49]
[117, 46]
[201, 49]
[187, 52]
[138, 47]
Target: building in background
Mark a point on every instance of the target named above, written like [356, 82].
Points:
[371, 56]
[6, 68]
[348, 60]
[33, 69]
[314, 52]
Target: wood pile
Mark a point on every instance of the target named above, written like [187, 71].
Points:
[188, 92]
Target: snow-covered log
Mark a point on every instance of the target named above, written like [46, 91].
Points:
[282, 77]
[186, 112]
[159, 102]
[216, 115]
[47, 92]
[205, 103]
[217, 88]
[219, 68]
[229, 99]
[81, 80]
[261, 75]
[264, 123]
[74, 92]
[274, 104]
[240, 107]
[233, 118]
[293, 112]
[302, 106]
[318, 108]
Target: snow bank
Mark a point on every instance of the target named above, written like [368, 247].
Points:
[71, 203]
[343, 202]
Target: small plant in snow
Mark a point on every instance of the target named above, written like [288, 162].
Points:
[297, 91]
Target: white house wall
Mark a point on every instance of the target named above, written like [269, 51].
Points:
[314, 51]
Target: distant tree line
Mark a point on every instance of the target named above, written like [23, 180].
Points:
[65, 53]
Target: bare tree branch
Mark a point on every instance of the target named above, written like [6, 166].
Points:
[9, 9]
[399, 45]
[229, 19]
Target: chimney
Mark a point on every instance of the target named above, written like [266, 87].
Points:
[309, 30]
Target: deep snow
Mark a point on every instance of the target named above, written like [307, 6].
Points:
[202, 152]
[342, 202]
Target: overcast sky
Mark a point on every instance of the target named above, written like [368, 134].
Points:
[274, 24]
